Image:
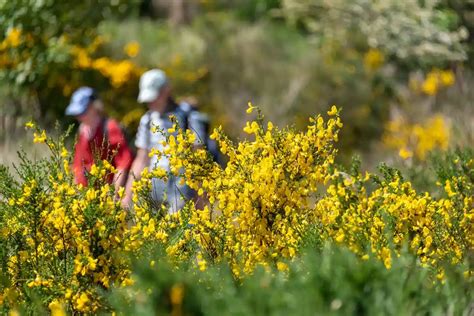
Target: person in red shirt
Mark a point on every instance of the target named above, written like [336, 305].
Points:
[98, 137]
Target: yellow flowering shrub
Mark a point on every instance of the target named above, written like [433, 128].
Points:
[66, 245]
[118, 72]
[62, 242]
[434, 81]
[14, 38]
[260, 204]
[381, 220]
[417, 140]
[263, 204]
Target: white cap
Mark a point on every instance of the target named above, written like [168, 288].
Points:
[150, 85]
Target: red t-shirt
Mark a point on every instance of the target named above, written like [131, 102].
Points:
[114, 149]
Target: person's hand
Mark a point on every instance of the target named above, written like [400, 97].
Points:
[126, 202]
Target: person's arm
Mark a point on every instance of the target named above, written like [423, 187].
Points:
[141, 161]
[119, 178]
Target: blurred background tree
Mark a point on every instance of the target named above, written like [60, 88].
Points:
[37, 40]
[414, 33]
[381, 61]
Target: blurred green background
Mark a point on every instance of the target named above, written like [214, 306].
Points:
[400, 70]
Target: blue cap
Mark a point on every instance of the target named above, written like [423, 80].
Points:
[80, 100]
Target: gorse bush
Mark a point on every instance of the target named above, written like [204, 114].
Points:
[417, 140]
[62, 243]
[260, 203]
[263, 204]
[63, 246]
[389, 213]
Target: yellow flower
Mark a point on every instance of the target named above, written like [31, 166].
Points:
[172, 129]
[127, 282]
[447, 78]
[132, 49]
[14, 37]
[333, 111]
[94, 170]
[120, 72]
[386, 257]
[405, 153]
[83, 60]
[417, 139]
[68, 294]
[373, 59]
[340, 237]
[250, 107]
[201, 262]
[215, 134]
[251, 128]
[436, 79]
[64, 152]
[81, 301]
[14, 312]
[281, 266]
[103, 65]
[430, 85]
[177, 294]
[30, 124]
[57, 308]
[39, 138]
[261, 206]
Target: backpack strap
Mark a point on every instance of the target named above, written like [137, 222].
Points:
[148, 129]
[182, 114]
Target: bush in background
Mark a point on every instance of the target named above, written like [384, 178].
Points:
[292, 58]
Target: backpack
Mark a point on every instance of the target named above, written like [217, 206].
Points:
[185, 112]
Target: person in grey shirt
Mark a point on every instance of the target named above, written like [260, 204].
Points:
[155, 91]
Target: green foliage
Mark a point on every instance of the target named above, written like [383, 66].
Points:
[274, 66]
[255, 9]
[440, 167]
[59, 240]
[458, 163]
[249, 10]
[420, 33]
[361, 55]
[328, 282]
[37, 39]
